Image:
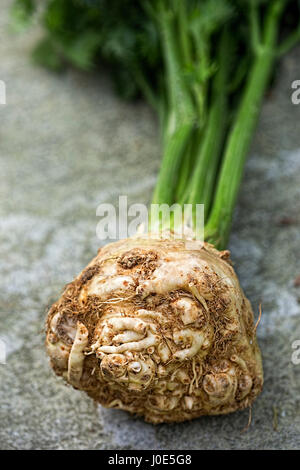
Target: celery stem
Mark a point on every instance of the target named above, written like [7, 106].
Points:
[239, 139]
[201, 188]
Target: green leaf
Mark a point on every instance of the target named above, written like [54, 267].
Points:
[46, 53]
[81, 51]
[21, 14]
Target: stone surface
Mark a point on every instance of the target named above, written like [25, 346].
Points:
[67, 144]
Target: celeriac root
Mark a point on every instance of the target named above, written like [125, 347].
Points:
[160, 328]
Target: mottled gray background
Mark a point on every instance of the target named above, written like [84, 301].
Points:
[67, 144]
